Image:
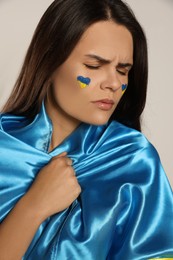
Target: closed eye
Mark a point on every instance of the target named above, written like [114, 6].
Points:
[124, 73]
[92, 67]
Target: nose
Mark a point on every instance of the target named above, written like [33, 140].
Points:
[111, 82]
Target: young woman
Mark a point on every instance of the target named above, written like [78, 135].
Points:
[78, 179]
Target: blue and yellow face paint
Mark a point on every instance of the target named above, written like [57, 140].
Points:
[83, 82]
[124, 87]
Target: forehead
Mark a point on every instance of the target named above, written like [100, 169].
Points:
[107, 39]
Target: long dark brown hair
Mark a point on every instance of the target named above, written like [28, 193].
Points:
[56, 35]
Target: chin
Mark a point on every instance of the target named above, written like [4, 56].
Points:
[98, 121]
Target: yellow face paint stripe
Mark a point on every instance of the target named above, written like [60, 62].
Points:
[82, 85]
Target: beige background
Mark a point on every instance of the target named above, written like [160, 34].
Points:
[18, 19]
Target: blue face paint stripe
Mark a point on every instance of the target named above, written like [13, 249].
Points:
[124, 87]
[84, 80]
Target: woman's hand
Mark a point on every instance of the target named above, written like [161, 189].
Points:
[54, 188]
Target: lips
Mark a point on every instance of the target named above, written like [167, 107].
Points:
[106, 100]
[104, 104]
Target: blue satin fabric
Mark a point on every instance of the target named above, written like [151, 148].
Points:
[125, 210]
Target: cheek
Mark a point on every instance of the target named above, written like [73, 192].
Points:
[69, 93]
[73, 87]
[119, 94]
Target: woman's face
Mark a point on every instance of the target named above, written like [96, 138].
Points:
[102, 59]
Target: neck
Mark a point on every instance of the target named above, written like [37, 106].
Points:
[63, 124]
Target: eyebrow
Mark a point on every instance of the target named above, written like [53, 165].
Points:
[105, 61]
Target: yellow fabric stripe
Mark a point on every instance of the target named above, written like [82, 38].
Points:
[160, 258]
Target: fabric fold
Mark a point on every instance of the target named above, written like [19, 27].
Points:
[125, 203]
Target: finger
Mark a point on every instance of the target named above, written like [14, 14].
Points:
[62, 154]
[69, 161]
[59, 155]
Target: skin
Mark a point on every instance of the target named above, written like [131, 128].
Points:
[68, 105]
